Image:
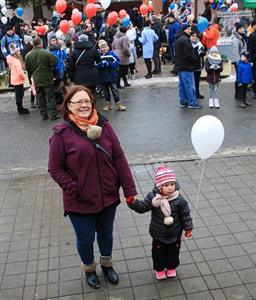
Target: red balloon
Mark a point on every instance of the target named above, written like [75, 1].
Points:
[37, 28]
[42, 29]
[91, 1]
[61, 6]
[143, 9]
[76, 18]
[122, 13]
[90, 10]
[64, 26]
[150, 8]
[112, 18]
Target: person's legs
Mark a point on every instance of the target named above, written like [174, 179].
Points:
[216, 95]
[182, 94]
[172, 258]
[41, 102]
[254, 79]
[85, 228]
[51, 101]
[197, 75]
[149, 67]
[189, 88]
[211, 95]
[236, 84]
[104, 228]
[106, 91]
[19, 94]
[157, 61]
[245, 87]
[158, 255]
[115, 92]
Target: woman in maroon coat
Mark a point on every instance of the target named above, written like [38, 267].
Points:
[88, 163]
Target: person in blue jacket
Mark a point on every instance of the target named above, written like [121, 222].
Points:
[244, 77]
[108, 73]
[147, 39]
[173, 28]
[55, 48]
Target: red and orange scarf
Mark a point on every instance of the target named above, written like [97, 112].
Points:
[83, 123]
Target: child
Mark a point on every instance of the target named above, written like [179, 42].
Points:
[213, 67]
[244, 77]
[170, 216]
[108, 75]
[15, 63]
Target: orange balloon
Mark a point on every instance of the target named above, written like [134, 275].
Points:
[143, 9]
[91, 1]
[76, 18]
[122, 13]
[90, 10]
[64, 26]
[112, 18]
[60, 6]
[42, 29]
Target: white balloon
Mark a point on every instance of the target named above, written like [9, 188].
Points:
[4, 10]
[4, 20]
[105, 3]
[207, 136]
[2, 3]
[75, 10]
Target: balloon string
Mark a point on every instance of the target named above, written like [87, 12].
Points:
[198, 191]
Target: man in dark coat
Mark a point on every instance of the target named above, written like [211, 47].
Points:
[185, 65]
[40, 64]
[82, 69]
[156, 26]
[252, 51]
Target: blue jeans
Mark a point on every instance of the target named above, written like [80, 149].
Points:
[85, 228]
[187, 90]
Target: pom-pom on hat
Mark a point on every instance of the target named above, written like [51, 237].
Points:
[163, 175]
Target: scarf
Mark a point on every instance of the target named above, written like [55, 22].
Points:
[214, 61]
[163, 203]
[83, 123]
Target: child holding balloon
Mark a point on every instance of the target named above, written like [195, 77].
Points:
[170, 215]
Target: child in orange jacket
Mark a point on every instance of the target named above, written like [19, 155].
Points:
[15, 63]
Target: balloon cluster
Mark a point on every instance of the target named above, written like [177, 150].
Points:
[225, 5]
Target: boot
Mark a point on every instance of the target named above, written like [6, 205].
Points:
[126, 83]
[91, 276]
[107, 269]
[216, 103]
[120, 106]
[247, 103]
[211, 103]
[32, 105]
[23, 111]
[108, 106]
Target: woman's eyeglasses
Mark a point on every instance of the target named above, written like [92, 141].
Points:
[81, 102]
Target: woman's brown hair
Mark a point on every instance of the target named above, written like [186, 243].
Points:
[71, 92]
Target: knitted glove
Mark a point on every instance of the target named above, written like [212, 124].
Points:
[188, 233]
[130, 199]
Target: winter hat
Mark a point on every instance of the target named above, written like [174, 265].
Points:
[53, 36]
[83, 38]
[13, 48]
[213, 49]
[185, 26]
[163, 175]
[27, 39]
[238, 26]
[102, 44]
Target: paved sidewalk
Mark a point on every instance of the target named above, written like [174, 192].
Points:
[38, 259]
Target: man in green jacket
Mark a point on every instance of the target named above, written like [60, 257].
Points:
[40, 64]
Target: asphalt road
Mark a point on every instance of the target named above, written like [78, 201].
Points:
[153, 128]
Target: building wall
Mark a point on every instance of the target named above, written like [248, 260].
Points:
[29, 14]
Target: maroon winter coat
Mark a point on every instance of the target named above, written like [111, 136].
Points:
[89, 180]
[213, 76]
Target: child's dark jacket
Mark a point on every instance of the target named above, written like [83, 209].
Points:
[213, 76]
[167, 234]
[108, 67]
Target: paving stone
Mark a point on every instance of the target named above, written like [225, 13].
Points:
[245, 237]
[237, 292]
[30, 279]
[225, 240]
[52, 290]
[141, 278]
[200, 296]
[218, 230]
[11, 294]
[135, 252]
[251, 288]
[40, 292]
[122, 294]
[70, 287]
[218, 295]
[70, 273]
[250, 248]
[233, 251]
[211, 282]
[13, 281]
[213, 254]
[194, 284]
[15, 268]
[203, 268]
[169, 288]
[205, 243]
[241, 262]
[188, 270]
[29, 293]
[138, 264]
[228, 279]
[248, 275]
[237, 227]
[146, 292]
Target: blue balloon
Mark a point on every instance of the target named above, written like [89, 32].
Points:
[172, 6]
[126, 22]
[202, 24]
[19, 11]
[163, 1]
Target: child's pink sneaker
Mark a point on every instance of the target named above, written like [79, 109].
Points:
[160, 275]
[171, 273]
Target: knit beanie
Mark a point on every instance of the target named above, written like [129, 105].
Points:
[163, 175]
[238, 26]
[213, 49]
[185, 26]
[83, 38]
